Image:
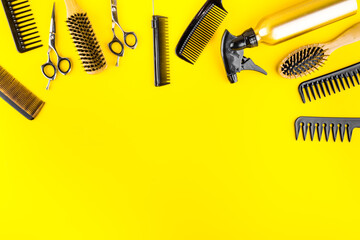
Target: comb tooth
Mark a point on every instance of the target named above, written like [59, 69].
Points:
[327, 86]
[20, 13]
[351, 79]
[301, 91]
[307, 92]
[349, 132]
[312, 90]
[341, 81]
[22, 17]
[335, 131]
[27, 30]
[29, 34]
[317, 90]
[312, 131]
[297, 129]
[356, 77]
[336, 83]
[327, 131]
[346, 80]
[16, 4]
[305, 129]
[342, 132]
[27, 25]
[322, 87]
[25, 21]
[320, 130]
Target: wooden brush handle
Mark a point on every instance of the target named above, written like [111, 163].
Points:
[72, 8]
[351, 35]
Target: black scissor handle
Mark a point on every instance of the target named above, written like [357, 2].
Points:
[49, 64]
[60, 59]
[116, 40]
[126, 35]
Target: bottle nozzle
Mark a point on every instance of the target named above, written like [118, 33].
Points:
[246, 40]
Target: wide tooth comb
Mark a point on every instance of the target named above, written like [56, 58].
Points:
[201, 30]
[338, 126]
[18, 96]
[161, 50]
[329, 81]
[21, 23]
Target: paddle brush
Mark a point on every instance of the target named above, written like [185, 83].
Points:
[84, 38]
[307, 59]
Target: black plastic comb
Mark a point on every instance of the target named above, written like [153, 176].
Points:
[161, 50]
[331, 82]
[321, 125]
[201, 30]
[22, 24]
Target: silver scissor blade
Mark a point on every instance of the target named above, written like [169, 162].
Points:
[52, 23]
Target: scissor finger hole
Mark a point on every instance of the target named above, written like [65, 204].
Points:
[64, 66]
[117, 48]
[49, 71]
[131, 40]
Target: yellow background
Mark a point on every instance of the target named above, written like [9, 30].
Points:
[112, 157]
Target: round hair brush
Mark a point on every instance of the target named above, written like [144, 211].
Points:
[84, 38]
[307, 59]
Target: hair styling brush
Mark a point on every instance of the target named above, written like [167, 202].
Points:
[326, 125]
[201, 30]
[307, 59]
[329, 82]
[18, 96]
[84, 38]
[161, 49]
[22, 24]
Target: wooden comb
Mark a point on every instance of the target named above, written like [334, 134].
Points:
[84, 38]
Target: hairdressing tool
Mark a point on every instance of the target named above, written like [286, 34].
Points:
[307, 59]
[49, 63]
[326, 124]
[200, 31]
[329, 82]
[18, 96]
[115, 21]
[22, 24]
[284, 25]
[84, 38]
[161, 49]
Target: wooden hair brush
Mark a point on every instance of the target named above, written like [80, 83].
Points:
[307, 59]
[84, 38]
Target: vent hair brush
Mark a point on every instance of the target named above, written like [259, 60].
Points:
[18, 96]
[326, 125]
[83, 35]
[307, 59]
[161, 49]
[328, 83]
[22, 24]
[201, 30]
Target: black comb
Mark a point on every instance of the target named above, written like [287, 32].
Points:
[22, 24]
[331, 82]
[201, 30]
[321, 125]
[161, 50]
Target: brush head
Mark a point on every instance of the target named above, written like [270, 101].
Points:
[86, 43]
[161, 51]
[200, 31]
[22, 25]
[18, 96]
[303, 61]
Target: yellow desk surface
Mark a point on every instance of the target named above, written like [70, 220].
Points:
[112, 157]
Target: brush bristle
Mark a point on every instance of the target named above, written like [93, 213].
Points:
[86, 43]
[202, 33]
[18, 96]
[164, 51]
[303, 61]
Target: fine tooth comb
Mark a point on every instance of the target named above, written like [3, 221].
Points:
[83, 35]
[161, 49]
[328, 83]
[22, 24]
[321, 125]
[18, 96]
[201, 30]
[307, 59]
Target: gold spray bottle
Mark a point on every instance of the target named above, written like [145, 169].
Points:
[281, 26]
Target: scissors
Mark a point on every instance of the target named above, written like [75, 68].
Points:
[115, 21]
[60, 59]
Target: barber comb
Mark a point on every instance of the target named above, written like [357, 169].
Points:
[321, 124]
[22, 24]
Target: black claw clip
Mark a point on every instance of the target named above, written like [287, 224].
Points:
[233, 54]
